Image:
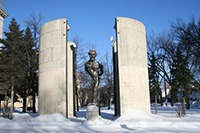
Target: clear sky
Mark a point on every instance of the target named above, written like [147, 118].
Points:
[94, 19]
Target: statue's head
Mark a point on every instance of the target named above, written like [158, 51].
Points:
[92, 53]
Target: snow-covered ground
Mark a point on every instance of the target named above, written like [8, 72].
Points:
[131, 121]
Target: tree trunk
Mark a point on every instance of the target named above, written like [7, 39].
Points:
[33, 92]
[24, 104]
[172, 96]
[12, 99]
[4, 105]
[156, 104]
[172, 99]
[166, 98]
[99, 108]
[109, 97]
[0, 105]
[188, 102]
[34, 110]
[109, 104]
[161, 99]
[184, 106]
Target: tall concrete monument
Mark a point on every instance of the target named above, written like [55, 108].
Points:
[55, 70]
[130, 66]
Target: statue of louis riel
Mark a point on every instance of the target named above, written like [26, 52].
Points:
[95, 70]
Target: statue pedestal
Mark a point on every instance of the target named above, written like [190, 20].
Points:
[92, 113]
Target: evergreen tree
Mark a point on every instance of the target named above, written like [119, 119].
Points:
[154, 79]
[12, 59]
[176, 74]
[182, 78]
[34, 22]
[3, 77]
[28, 61]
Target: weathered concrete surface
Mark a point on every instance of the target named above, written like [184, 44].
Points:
[132, 65]
[70, 89]
[52, 69]
[92, 113]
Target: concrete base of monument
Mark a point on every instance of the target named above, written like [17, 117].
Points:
[92, 113]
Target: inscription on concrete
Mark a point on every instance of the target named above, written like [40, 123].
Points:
[49, 55]
[55, 79]
[131, 61]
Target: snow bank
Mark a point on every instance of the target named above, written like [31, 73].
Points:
[136, 115]
[100, 122]
[131, 121]
[50, 118]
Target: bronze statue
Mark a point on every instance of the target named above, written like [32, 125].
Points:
[95, 70]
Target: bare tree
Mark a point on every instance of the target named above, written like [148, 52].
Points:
[34, 22]
[78, 63]
[107, 79]
[85, 90]
[163, 46]
[188, 35]
[82, 85]
[184, 37]
[81, 56]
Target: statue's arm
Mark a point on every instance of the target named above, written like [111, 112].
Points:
[86, 68]
[101, 69]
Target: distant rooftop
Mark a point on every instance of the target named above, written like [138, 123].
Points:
[2, 4]
[2, 12]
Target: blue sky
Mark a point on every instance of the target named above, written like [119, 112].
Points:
[94, 19]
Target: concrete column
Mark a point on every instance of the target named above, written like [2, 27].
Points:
[70, 79]
[132, 65]
[54, 78]
[116, 79]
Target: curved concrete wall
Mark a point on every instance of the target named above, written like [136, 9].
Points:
[52, 68]
[132, 65]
